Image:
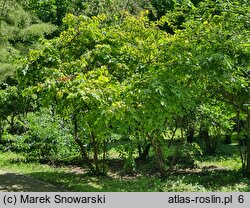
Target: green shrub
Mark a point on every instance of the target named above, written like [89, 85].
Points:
[48, 138]
[184, 157]
[129, 165]
[126, 153]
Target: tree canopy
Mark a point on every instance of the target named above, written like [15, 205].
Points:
[137, 70]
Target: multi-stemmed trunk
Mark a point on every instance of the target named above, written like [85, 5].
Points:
[79, 142]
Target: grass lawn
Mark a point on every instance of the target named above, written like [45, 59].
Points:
[215, 173]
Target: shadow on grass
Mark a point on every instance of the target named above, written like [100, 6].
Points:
[87, 183]
[209, 180]
[213, 179]
[11, 182]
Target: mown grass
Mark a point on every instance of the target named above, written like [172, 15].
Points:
[215, 173]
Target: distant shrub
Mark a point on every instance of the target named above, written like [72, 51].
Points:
[47, 139]
[185, 155]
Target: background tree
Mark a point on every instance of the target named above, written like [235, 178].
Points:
[20, 31]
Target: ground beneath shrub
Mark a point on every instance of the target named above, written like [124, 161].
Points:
[13, 182]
